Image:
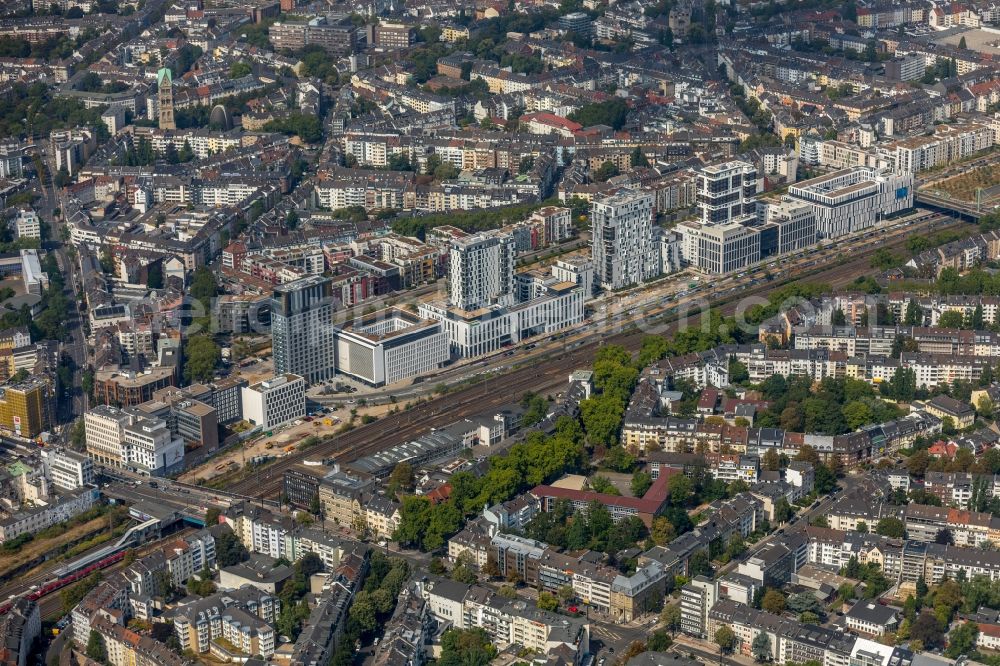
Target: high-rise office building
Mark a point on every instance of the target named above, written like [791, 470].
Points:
[481, 272]
[165, 98]
[622, 241]
[302, 329]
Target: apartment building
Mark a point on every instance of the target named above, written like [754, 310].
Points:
[790, 640]
[244, 617]
[507, 622]
[481, 271]
[697, 598]
[622, 240]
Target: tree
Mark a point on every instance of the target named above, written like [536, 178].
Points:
[962, 44]
[771, 460]
[171, 155]
[804, 602]
[681, 489]
[737, 546]
[462, 573]
[619, 460]
[659, 641]
[239, 69]
[984, 407]
[962, 639]
[641, 481]
[201, 356]
[547, 601]
[917, 463]
[761, 647]
[857, 414]
[951, 319]
[662, 531]
[466, 647]
[891, 527]
[670, 617]
[229, 550]
[401, 478]
[186, 154]
[96, 649]
[154, 276]
[927, 630]
[639, 158]
[773, 602]
[725, 638]
[204, 287]
[782, 510]
[606, 171]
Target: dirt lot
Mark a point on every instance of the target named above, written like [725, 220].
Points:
[964, 186]
[290, 436]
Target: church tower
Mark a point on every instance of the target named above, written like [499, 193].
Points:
[165, 99]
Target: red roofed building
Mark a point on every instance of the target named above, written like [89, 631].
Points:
[989, 636]
[943, 449]
[646, 508]
[550, 123]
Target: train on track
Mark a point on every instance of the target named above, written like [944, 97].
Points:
[68, 579]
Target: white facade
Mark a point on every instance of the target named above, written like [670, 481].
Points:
[579, 270]
[725, 192]
[487, 332]
[275, 402]
[151, 447]
[622, 243]
[105, 435]
[27, 224]
[481, 271]
[719, 248]
[68, 469]
[854, 199]
[795, 222]
[390, 346]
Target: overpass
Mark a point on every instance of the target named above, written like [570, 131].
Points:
[963, 210]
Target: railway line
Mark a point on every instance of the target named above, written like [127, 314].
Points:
[550, 369]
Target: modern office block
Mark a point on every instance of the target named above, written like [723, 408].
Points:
[302, 328]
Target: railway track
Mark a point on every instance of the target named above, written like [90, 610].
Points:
[548, 371]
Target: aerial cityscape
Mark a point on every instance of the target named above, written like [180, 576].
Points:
[529, 333]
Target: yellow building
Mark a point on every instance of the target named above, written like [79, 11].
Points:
[25, 408]
[454, 33]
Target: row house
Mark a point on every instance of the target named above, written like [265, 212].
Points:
[790, 641]
[964, 528]
[507, 622]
